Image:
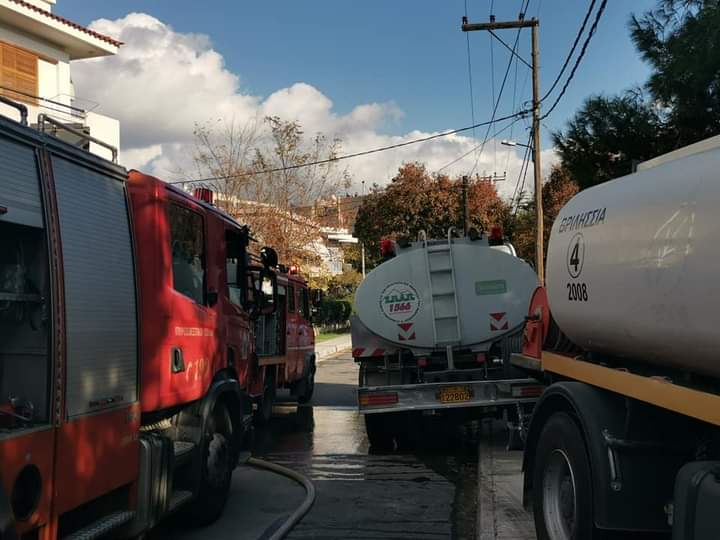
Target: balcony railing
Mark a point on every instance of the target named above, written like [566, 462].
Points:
[51, 107]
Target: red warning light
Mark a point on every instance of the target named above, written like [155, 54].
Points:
[496, 236]
[387, 248]
[204, 194]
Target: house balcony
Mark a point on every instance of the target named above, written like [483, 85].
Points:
[67, 112]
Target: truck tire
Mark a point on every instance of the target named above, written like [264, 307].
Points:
[380, 428]
[562, 482]
[264, 410]
[217, 468]
[307, 384]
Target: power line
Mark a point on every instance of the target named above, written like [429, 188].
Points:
[518, 115]
[470, 78]
[514, 102]
[523, 173]
[502, 86]
[492, 70]
[523, 165]
[572, 50]
[524, 5]
[593, 28]
[499, 97]
[474, 148]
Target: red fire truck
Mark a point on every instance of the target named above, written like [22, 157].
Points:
[285, 341]
[129, 313]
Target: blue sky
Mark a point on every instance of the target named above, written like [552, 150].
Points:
[409, 53]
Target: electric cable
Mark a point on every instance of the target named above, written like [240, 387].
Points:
[514, 102]
[474, 148]
[593, 28]
[518, 114]
[522, 166]
[470, 77]
[523, 173]
[572, 50]
[502, 87]
[492, 69]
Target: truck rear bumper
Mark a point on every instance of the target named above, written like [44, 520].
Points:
[447, 395]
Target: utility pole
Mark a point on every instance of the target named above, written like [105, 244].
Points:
[534, 25]
[539, 220]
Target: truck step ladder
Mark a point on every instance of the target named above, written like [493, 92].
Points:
[178, 498]
[184, 452]
[441, 280]
[102, 526]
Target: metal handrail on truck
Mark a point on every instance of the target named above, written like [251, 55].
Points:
[45, 119]
[22, 109]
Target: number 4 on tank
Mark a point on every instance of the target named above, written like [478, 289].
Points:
[576, 255]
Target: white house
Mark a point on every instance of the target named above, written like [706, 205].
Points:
[37, 48]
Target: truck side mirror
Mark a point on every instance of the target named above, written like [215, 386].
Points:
[269, 257]
[317, 296]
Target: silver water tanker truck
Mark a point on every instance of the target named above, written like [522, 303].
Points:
[627, 436]
[435, 326]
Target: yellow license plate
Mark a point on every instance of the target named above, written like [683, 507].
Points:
[454, 394]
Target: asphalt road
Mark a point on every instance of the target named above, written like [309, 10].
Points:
[461, 485]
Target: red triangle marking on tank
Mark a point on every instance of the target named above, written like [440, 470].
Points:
[405, 326]
[497, 316]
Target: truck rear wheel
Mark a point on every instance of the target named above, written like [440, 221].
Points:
[562, 484]
[380, 428]
[217, 468]
[264, 410]
[307, 385]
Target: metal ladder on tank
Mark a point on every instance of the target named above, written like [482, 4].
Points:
[443, 294]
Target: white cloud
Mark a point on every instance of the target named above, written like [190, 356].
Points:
[162, 82]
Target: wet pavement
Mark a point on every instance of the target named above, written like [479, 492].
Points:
[429, 492]
[361, 494]
[501, 515]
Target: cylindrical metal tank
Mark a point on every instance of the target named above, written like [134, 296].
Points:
[633, 265]
[466, 293]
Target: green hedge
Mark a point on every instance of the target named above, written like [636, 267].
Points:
[332, 311]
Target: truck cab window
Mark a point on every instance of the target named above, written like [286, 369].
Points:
[233, 257]
[187, 244]
[304, 304]
[291, 299]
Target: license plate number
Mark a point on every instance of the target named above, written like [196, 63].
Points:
[454, 394]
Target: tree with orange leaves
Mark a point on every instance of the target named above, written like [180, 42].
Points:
[556, 192]
[416, 200]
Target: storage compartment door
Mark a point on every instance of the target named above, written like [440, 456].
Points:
[101, 315]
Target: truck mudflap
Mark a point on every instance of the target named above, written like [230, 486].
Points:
[447, 395]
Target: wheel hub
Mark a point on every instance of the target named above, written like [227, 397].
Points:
[559, 496]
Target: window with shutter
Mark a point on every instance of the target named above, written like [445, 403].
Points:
[18, 73]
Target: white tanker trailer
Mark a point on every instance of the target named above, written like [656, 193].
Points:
[434, 331]
[626, 437]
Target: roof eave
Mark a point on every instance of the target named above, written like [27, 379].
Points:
[76, 43]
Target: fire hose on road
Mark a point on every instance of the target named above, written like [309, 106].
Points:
[301, 510]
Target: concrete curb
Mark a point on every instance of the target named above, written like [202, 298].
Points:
[332, 346]
[331, 355]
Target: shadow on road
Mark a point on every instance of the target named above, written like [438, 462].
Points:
[331, 394]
